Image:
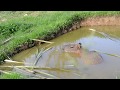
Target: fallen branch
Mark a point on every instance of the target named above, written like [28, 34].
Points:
[40, 54]
[10, 61]
[108, 53]
[38, 57]
[104, 34]
[40, 68]
[38, 73]
[44, 73]
[42, 41]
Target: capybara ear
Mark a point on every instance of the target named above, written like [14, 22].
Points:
[80, 45]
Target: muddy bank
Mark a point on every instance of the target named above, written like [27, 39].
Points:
[113, 20]
[75, 25]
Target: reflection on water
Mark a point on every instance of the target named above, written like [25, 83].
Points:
[56, 58]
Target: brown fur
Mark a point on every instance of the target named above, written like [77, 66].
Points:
[88, 57]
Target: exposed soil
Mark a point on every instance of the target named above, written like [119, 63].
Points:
[113, 20]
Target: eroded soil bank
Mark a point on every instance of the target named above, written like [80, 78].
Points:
[113, 20]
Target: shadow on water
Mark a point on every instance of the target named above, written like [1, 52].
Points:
[56, 58]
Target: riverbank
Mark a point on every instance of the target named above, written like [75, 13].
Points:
[17, 32]
[97, 21]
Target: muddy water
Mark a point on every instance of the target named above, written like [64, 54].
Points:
[71, 64]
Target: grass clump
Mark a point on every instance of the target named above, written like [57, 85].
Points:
[12, 75]
[12, 28]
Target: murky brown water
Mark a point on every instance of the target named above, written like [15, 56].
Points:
[56, 58]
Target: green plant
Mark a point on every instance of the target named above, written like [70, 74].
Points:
[12, 75]
[8, 29]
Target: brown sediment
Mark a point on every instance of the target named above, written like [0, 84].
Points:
[93, 21]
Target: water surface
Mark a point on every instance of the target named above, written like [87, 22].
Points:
[109, 42]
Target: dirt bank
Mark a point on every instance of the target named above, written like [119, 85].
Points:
[113, 20]
[75, 25]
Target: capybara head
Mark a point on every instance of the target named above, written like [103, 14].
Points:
[75, 48]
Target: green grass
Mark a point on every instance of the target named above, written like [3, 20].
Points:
[12, 75]
[37, 24]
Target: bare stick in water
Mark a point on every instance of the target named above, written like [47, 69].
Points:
[10, 61]
[104, 34]
[108, 53]
[40, 68]
[42, 41]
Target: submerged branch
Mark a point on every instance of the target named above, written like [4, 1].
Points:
[10, 61]
[40, 54]
[42, 41]
[40, 68]
[38, 57]
[108, 53]
[105, 35]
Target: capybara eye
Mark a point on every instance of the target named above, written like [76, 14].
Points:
[71, 46]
